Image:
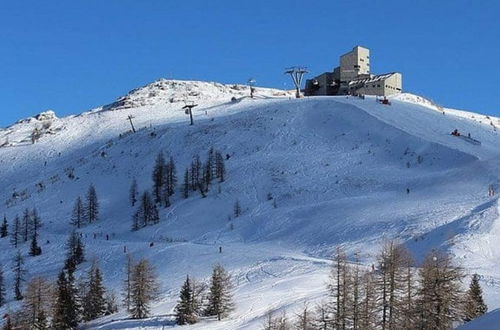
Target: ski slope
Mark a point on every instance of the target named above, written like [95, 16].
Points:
[338, 169]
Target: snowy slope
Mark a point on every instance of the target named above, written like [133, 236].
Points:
[339, 169]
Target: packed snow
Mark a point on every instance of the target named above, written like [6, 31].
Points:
[341, 171]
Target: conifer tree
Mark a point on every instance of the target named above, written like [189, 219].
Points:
[144, 286]
[185, 310]
[185, 186]
[35, 249]
[67, 308]
[36, 302]
[220, 301]
[26, 225]
[304, 320]
[4, 228]
[146, 214]
[474, 303]
[133, 192]
[111, 303]
[195, 172]
[36, 222]
[170, 177]
[220, 169]
[78, 214]
[439, 298]
[92, 206]
[2, 287]
[127, 283]
[158, 177]
[15, 233]
[19, 273]
[237, 209]
[75, 254]
[94, 302]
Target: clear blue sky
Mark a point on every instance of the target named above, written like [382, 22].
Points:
[71, 56]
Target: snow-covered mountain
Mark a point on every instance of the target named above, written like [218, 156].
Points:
[341, 171]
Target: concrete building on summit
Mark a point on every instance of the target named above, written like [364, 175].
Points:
[353, 77]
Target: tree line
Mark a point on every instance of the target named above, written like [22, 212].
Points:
[199, 176]
[394, 294]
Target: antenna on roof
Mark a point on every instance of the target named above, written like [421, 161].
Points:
[297, 73]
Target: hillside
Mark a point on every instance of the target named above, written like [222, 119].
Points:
[341, 171]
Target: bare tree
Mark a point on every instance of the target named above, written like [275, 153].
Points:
[145, 287]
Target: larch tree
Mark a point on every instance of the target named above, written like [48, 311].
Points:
[440, 296]
[78, 214]
[19, 273]
[474, 305]
[158, 176]
[127, 283]
[185, 185]
[36, 303]
[220, 300]
[304, 320]
[145, 287]
[220, 168]
[15, 235]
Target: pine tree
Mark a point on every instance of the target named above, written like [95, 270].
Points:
[15, 233]
[19, 272]
[158, 176]
[78, 214]
[2, 287]
[92, 206]
[185, 310]
[185, 186]
[127, 283]
[75, 254]
[220, 301]
[144, 286]
[67, 308]
[474, 303]
[133, 193]
[94, 302]
[4, 228]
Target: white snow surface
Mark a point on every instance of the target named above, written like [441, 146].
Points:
[337, 167]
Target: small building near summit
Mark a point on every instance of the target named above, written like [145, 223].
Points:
[353, 77]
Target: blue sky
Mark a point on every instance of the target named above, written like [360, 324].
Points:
[71, 56]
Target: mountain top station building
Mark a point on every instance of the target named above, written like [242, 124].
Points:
[353, 77]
